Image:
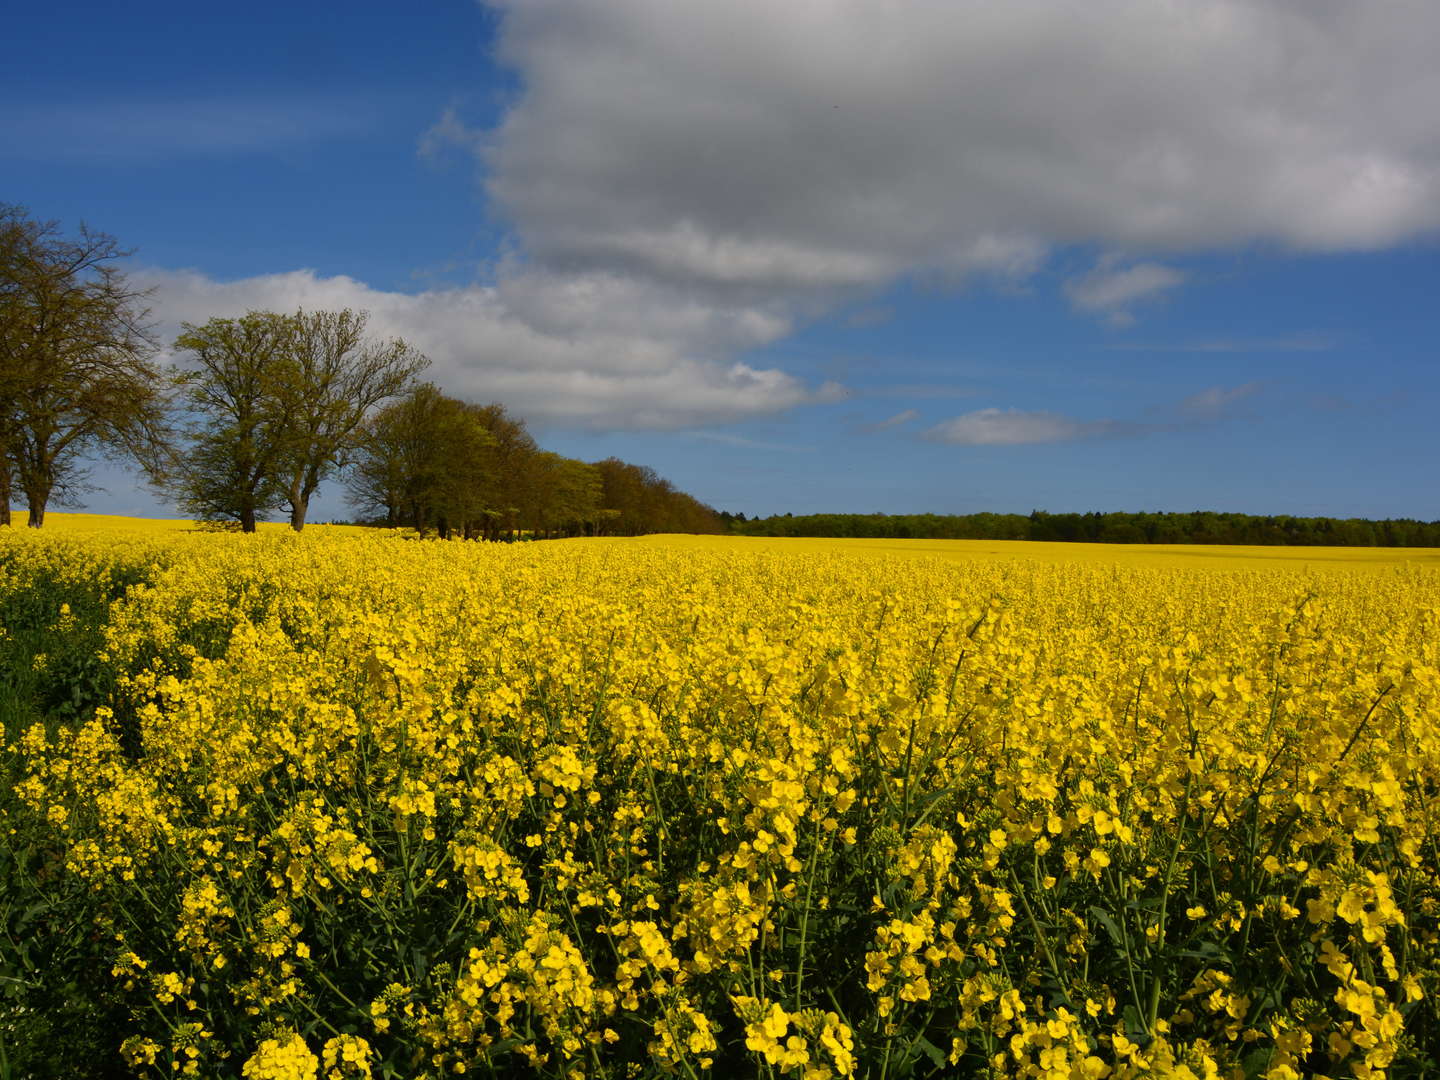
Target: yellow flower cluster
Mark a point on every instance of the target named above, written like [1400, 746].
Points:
[601, 808]
[283, 1058]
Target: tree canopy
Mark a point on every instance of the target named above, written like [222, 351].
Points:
[77, 371]
[277, 404]
[430, 461]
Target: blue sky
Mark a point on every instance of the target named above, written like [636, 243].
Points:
[930, 256]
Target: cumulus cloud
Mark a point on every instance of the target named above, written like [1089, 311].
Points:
[1015, 427]
[582, 350]
[803, 150]
[686, 182]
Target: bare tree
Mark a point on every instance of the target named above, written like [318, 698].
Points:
[76, 360]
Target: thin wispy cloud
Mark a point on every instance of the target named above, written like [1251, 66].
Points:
[1019, 427]
[150, 131]
[1016, 427]
[925, 391]
[1292, 343]
[1216, 401]
[447, 134]
[1112, 289]
[900, 419]
[727, 439]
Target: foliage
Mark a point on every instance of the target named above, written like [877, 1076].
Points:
[278, 403]
[425, 461]
[642, 501]
[432, 461]
[1200, 527]
[76, 370]
[338, 377]
[605, 809]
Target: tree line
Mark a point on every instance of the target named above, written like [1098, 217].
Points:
[428, 460]
[266, 408]
[1198, 527]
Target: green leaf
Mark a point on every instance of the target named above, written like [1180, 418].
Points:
[1104, 918]
[930, 1050]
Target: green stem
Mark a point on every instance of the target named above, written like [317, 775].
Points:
[805, 917]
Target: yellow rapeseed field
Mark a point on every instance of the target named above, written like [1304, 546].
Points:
[347, 804]
[114, 525]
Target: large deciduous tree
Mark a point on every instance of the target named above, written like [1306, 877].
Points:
[278, 403]
[77, 371]
[230, 470]
[335, 378]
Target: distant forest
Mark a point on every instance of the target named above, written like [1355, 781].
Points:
[1199, 527]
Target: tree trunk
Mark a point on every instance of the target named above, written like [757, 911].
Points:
[300, 498]
[247, 520]
[37, 499]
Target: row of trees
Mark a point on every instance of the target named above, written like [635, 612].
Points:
[429, 460]
[1199, 527]
[276, 404]
[267, 408]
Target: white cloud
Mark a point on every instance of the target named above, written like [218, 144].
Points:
[1112, 289]
[801, 151]
[685, 182]
[1014, 427]
[582, 350]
